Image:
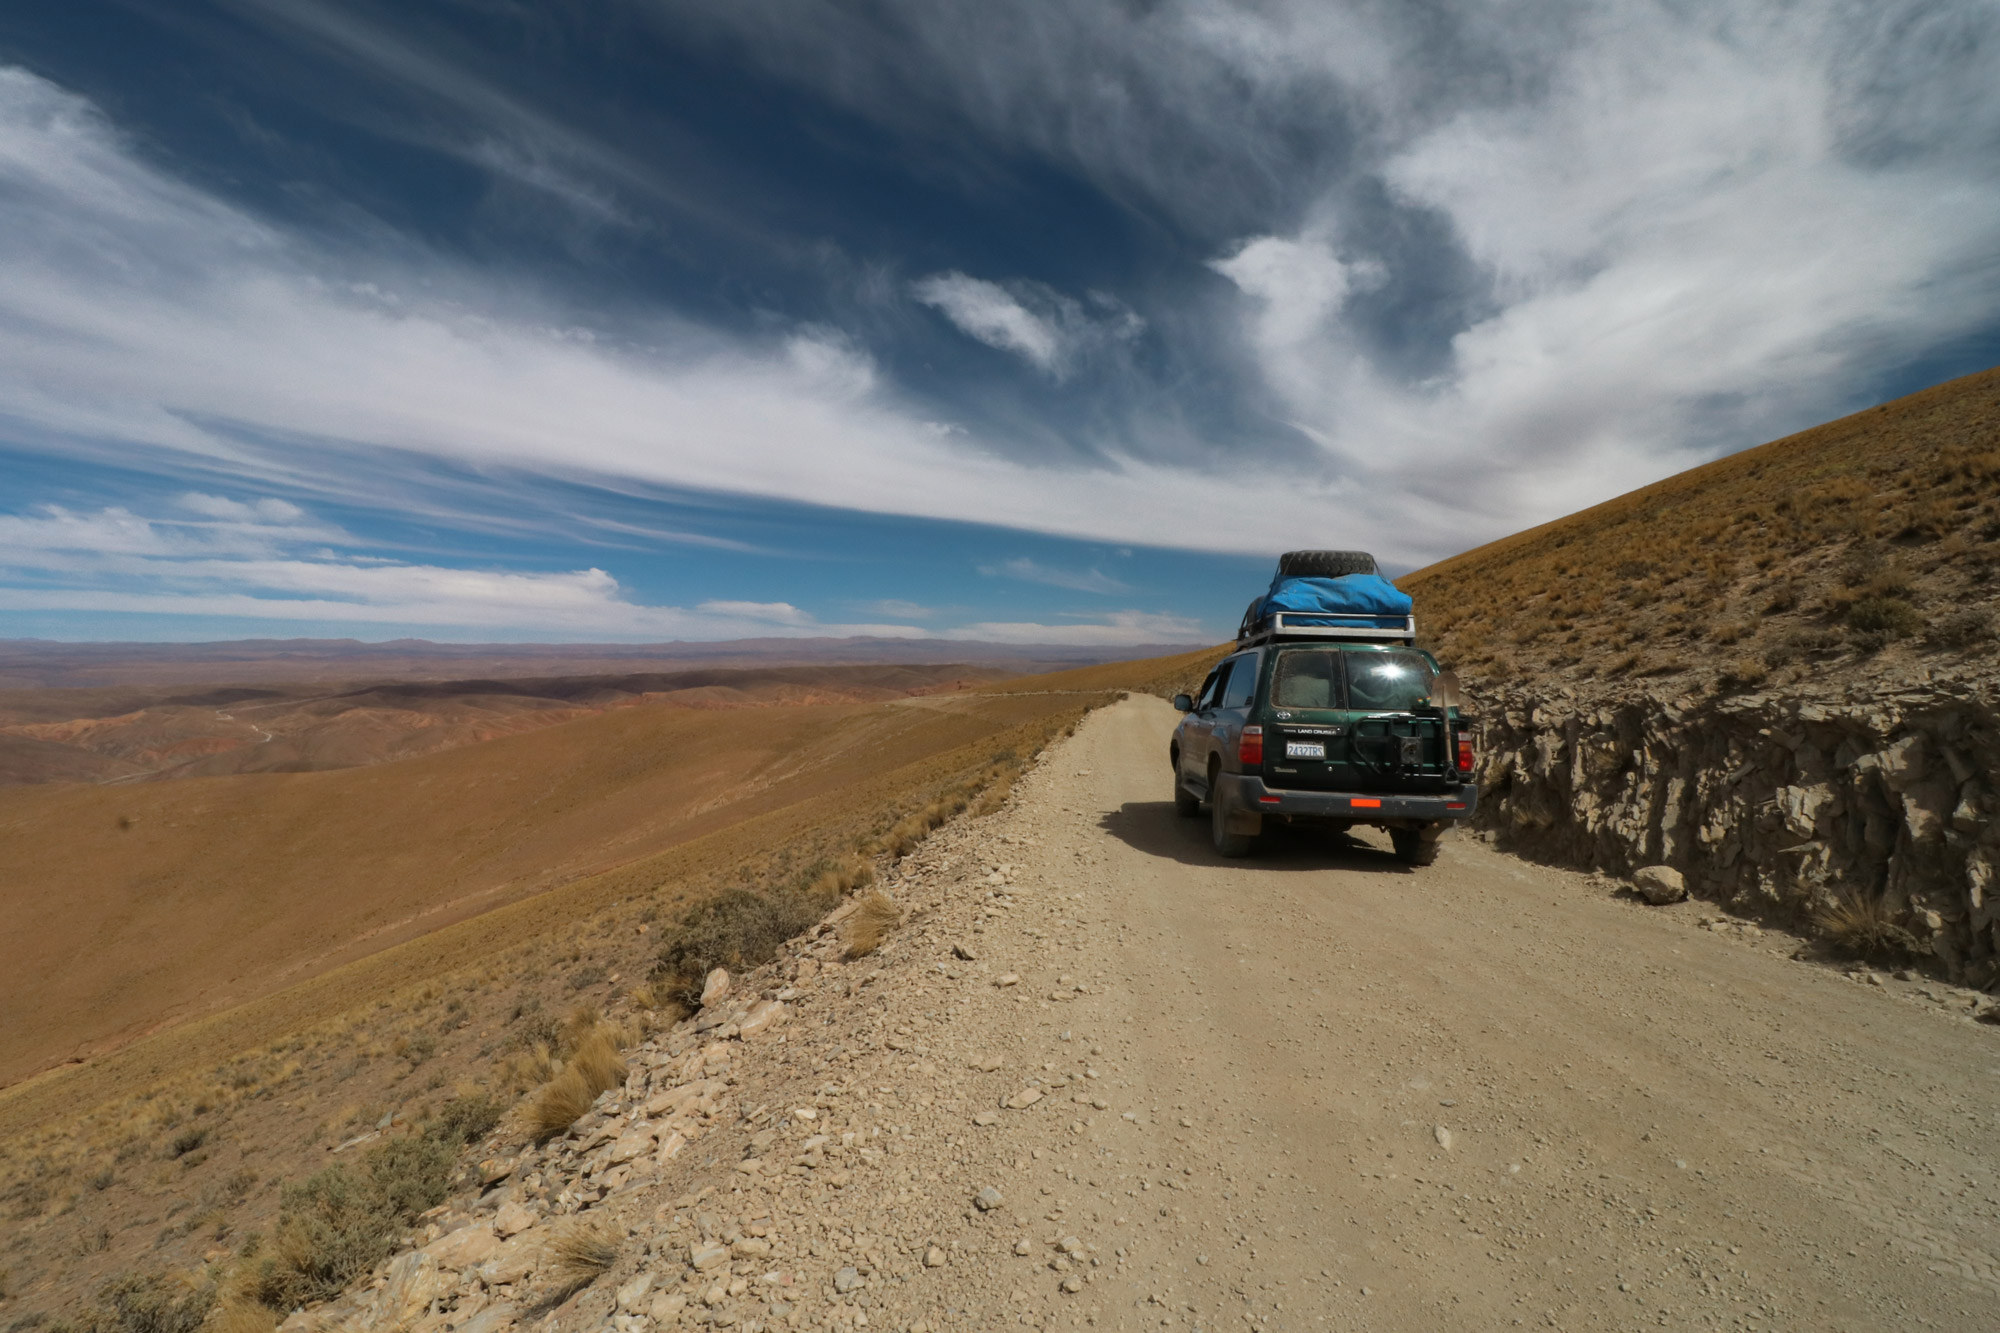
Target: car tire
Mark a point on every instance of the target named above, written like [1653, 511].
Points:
[1324, 564]
[1416, 847]
[1227, 843]
[1186, 804]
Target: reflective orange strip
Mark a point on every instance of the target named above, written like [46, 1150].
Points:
[1363, 803]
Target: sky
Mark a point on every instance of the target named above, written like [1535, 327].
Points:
[641, 320]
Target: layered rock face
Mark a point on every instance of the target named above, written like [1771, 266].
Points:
[1772, 805]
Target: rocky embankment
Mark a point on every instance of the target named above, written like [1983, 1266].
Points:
[1775, 806]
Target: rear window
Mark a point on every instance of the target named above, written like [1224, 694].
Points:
[1306, 678]
[1388, 682]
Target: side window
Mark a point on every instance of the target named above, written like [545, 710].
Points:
[1206, 698]
[1242, 687]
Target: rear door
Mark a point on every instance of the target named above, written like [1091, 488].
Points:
[1396, 739]
[1305, 733]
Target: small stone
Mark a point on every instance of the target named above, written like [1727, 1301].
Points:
[960, 952]
[465, 1248]
[513, 1218]
[751, 1247]
[707, 1254]
[804, 1113]
[1072, 1247]
[1006, 979]
[667, 1306]
[1072, 1284]
[986, 1118]
[934, 1257]
[848, 1280]
[1443, 1137]
[986, 1064]
[1659, 885]
[764, 1016]
[988, 1199]
[1023, 1099]
[634, 1293]
[716, 988]
[1024, 1246]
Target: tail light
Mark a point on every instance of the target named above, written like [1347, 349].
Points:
[1250, 750]
[1465, 752]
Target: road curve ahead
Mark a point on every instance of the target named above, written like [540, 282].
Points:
[1481, 1094]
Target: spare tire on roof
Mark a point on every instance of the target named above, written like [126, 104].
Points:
[1324, 564]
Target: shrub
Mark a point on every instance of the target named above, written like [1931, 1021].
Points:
[1800, 643]
[1880, 619]
[1747, 674]
[873, 917]
[579, 1254]
[1961, 629]
[1864, 927]
[149, 1303]
[338, 1223]
[736, 929]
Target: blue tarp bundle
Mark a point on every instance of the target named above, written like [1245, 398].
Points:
[1352, 601]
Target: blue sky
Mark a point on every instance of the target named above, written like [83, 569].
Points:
[1051, 322]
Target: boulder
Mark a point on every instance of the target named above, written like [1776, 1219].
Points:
[464, 1248]
[716, 988]
[1659, 885]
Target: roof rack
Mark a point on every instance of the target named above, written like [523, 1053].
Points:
[1275, 629]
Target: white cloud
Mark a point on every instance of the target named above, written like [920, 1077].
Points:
[1050, 331]
[138, 314]
[1118, 628]
[1076, 580]
[986, 311]
[897, 609]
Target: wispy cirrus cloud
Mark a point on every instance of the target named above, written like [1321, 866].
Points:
[1033, 571]
[1048, 330]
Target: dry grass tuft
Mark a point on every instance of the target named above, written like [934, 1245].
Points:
[595, 1065]
[1864, 927]
[873, 917]
[579, 1254]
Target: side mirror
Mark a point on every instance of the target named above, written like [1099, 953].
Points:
[1183, 704]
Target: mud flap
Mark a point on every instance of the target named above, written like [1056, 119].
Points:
[1247, 822]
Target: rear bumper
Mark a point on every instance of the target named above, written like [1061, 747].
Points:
[1246, 792]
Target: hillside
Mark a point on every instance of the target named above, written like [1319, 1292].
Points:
[1774, 674]
[173, 1145]
[161, 901]
[128, 733]
[1864, 547]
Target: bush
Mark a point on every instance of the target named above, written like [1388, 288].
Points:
[1800, 643]
[1961, 629]
[1884, 616]
[736, 929]
[338, 1223]
[149, 1303]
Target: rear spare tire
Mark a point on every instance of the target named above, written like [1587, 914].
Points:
[1324, 564]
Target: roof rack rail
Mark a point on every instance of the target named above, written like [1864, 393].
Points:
[1275, 629]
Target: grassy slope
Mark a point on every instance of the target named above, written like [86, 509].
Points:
[166, 900]
[1856, 547]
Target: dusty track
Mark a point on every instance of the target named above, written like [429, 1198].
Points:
[1648, 1123]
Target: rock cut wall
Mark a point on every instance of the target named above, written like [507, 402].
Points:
[1775, 806]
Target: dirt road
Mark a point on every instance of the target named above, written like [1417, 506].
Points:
[1485, 1092]
[1101, 1078]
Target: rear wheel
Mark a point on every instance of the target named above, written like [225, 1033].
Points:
[1417, 847]
[1186, 804]
[1226, 843]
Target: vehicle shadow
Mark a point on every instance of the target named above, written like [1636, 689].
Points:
[1153, 828]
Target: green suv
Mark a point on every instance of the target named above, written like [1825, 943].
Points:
[1324, 733]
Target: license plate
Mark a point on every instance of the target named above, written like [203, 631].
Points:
[1305, 749]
